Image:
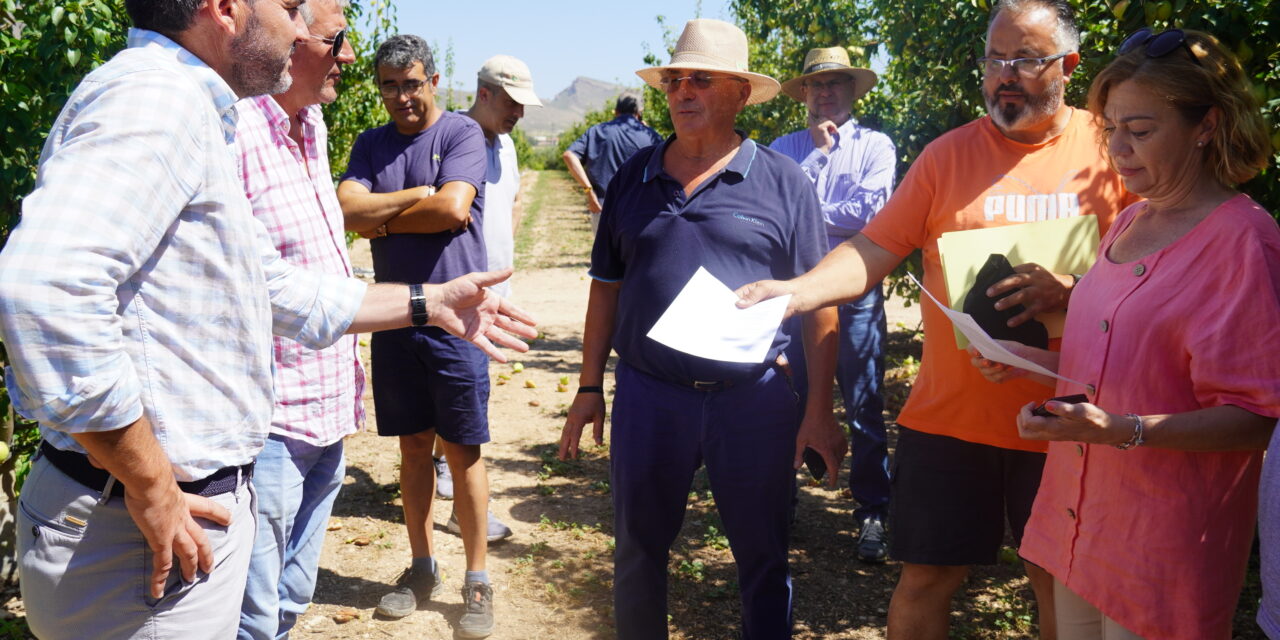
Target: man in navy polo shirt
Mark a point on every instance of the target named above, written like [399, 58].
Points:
[708, 197]
[604, 148]
[416, 185]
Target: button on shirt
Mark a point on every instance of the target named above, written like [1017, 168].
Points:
[758, 218]
[853, 180]
[609, 144]
[291, 191]
[138, 279]
[1158, 539]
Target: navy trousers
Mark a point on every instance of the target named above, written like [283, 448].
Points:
[745, 435]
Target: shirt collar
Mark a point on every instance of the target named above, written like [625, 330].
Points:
[739, 164]
[217, 89]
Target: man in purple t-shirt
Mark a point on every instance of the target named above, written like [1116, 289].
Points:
[416, 187]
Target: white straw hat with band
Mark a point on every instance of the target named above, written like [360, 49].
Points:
[830, 59]
[714, 45]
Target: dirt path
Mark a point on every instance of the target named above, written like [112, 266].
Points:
[553, 578]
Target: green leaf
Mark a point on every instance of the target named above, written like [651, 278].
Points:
[73, 56]
[69, 34]
[55, 16]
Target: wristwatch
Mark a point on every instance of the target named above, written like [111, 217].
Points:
[417, 305]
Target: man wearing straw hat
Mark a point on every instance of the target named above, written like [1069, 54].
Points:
[706, 198]
[852, 169]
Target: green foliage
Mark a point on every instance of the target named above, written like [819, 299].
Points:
[46, 46]
[359, 105]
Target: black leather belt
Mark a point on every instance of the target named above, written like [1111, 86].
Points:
[710, 385]
[77, 467]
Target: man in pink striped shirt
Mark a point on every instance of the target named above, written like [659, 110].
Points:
[282, 146]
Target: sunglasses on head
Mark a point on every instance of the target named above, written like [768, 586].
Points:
[1158, 45]
[335, 43]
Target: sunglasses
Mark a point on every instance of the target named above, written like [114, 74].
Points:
[335, 43]
[1158, 45]
[699, 81]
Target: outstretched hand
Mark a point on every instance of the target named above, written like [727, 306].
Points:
[761, 290]
[1035, 288]
[465, 308]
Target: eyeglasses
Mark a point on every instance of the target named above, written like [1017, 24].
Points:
[409, 88]
[1026, 67]
[335, 43]
[1158, 44]
[828, 85]
[699, 81]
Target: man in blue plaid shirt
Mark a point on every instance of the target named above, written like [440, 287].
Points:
[138, 297]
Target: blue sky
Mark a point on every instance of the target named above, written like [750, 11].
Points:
[559, 39]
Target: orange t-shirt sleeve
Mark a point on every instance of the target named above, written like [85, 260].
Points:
[902, 225]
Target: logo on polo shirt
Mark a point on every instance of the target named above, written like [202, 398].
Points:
[748, 219]
[1015, 200]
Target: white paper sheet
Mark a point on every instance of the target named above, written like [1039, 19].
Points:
[986, 345]
[705, 321]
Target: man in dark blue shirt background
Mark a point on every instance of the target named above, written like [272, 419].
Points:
[709, 197]
[604, 147]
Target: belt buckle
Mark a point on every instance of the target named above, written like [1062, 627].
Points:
[708, 385]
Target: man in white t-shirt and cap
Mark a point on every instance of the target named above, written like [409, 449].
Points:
[504, 88]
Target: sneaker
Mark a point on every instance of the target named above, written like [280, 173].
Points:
[872, 546]
[477, 622]
[412, 589]
[444, 479]
[497, 530]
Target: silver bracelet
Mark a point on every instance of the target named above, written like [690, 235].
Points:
[1137, 439]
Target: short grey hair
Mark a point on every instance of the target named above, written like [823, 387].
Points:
[1067, 36]
[309, 16]
[401, 51]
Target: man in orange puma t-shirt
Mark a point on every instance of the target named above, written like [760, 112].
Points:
[960, 468]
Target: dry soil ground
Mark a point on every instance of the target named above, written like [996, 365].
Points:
[553, 577]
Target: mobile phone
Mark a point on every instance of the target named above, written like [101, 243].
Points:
[813, 460]
[1072, 399]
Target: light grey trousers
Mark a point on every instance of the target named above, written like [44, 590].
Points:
[84, 567]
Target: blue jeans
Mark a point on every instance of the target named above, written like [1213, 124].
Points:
[860, 374]
[661, 433]
[296, 484]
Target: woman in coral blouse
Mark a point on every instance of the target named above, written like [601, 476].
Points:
[1145, 512]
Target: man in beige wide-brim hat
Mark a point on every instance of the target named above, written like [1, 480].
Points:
[713, 45]
[705, 201]
[836, 61]
[852, 168]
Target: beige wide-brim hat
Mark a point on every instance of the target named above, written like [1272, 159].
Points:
[830, 59]
[714, 45]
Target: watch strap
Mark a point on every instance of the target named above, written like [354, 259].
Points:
[417, 305]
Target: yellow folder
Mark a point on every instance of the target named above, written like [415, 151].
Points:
[1066, 245]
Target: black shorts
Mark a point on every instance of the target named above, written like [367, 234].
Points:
[950, 498]
[424, 378]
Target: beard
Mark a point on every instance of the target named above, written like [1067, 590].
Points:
[256, 68]
[1036, 107]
